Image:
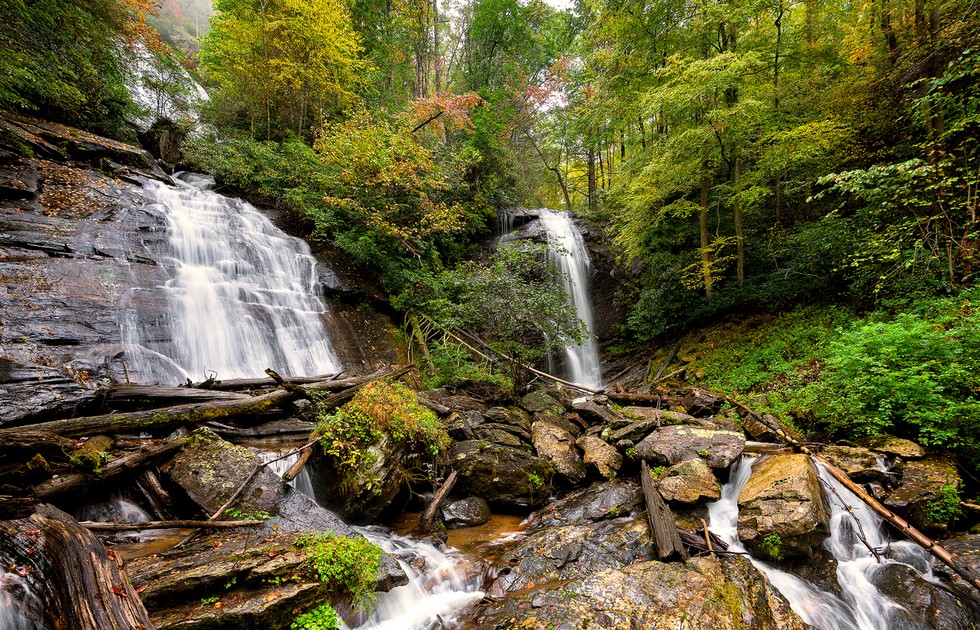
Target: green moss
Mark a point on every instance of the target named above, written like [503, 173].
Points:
[945, 507]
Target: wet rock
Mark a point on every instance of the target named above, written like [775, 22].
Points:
[634, 431]
[664, 416]
[500, 474]
[458, 426]
[897, 447]
[597, 502]
[924, 604]
[858, 463]
[497, 436]
[701, 402]
[669, 445]
[556, 445]
[541, 400]
[923, 481]
[554, 554]
[760, 428]
[695, 595]
[783, 499]
[516, 431]
[511, 416]
[594, 413]
[690, 481]
[600, 455]
[468, 512]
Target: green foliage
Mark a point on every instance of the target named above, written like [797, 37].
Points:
[380, 410]
[451, 365]
[246, 513]
[209, 601]
[772, 546]
[348, 566]
[945, 507]
[323, 617]
[514, 301]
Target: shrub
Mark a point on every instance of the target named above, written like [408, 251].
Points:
[945, 507]
[323, 617]
[346, 565]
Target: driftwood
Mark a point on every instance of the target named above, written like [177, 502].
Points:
[970, 575]
[297, 468]
[160, 419]
[77, 583]
[766, 447]
[262, 381]
[127, 463]
[142, 396]
[666, 539]
[97, 526]
[427, 522]
[29, 440]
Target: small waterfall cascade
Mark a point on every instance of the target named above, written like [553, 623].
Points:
[16, 599]
[569, 253]
[438, 588]
[242, 296]
[862, 605]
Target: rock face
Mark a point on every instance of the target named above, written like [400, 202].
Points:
[925, 604]
[783, 499]
[468, 512]
[557, 446]
[669, 445]
[699, 594]
[690, 481]
[898, 447]
[923, 481]
[500, 474]
[599, 454]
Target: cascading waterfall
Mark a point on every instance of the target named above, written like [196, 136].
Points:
[435, 595]
[862, 605]
[568, 252]
[243, 296]
[16, 598]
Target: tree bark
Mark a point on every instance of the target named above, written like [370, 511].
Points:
[130, 526]
[666, 539]
[739, 233]
[78, 584]
[428, 519]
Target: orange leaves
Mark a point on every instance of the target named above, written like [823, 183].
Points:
[444, 111]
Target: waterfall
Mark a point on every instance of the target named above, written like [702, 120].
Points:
[242, 295]
[16, 600]
[439, 588]
[862, 605]
[567, 250]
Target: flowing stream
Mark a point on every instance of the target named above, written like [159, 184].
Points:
[441, 583]
[862, 605]
[242, 296]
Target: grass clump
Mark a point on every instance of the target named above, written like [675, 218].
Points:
[346, 565]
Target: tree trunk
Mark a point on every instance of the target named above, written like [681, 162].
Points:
[428, 520]
[592, 188]
[666, 539]
[739, 234]
[703, 226]
[78, 584]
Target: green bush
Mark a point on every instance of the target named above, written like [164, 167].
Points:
[348, 566]
[945, 507]
[323, 617]
[451, 365]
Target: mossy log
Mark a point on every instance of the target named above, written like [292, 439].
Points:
[93, 454]
[134, 461]
[142, 396]
[130, 526]
[157, 420]
[77, 583]
[16, 443]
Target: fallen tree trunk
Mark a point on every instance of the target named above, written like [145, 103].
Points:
[297, 468]
[162, 396]
[163, 419]
[642, 399]
[427, 521]
[77, 583]
[233, 384]
[97, 526]
[666, 540]
[962, 569]
[29, 440]
[289, 426]
[134, 461]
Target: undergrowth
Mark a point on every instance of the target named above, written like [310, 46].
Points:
[346, 565]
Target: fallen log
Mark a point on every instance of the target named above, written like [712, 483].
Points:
[29, 440]
[289, 426]
[666, 540]
[98, 526]
[92, 454]
[76, 583]
[428, 522]
[666, 363]
[140, 396]
[969, 575]
[233, 384]
[156, 420]
[65, 483]
[297, 468]
[643, 399]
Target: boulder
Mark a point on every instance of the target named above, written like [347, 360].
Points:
[923, 482]
[556, 445]
[497, 436]
[594, 413]
[858, 463]
[459, 427]
[541, 400]
[897, 447]
[702, 594]
[510, 415]
[600, 455]
[468, 512]
[664, 416]
[690, 481]
[500, 474]
[925, 604]
[701, 402]
[634, 431]
[782, 509]
[669, 445]
[597, 502]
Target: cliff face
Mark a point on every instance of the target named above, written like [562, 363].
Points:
[74, 226]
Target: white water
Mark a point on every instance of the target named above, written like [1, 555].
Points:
[439, 588]
[568, 251]
[16, 598]
[243, 296]
[862, 606]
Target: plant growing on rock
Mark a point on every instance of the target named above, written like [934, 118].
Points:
[323, 617]
[346, 565]
[945, 507]
[772, 546]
